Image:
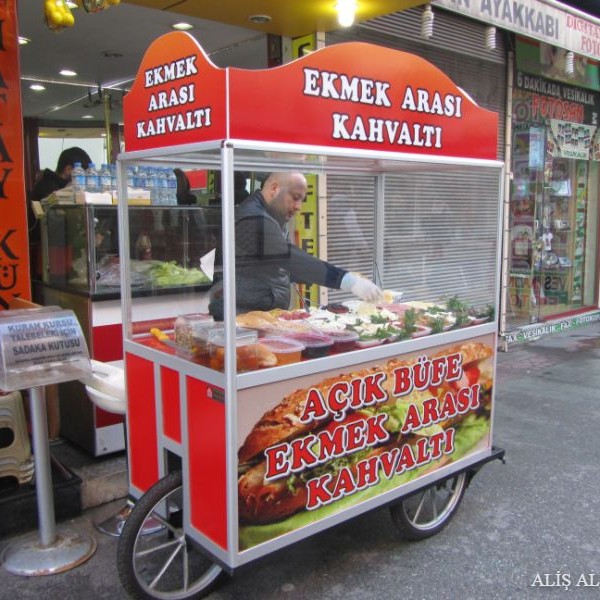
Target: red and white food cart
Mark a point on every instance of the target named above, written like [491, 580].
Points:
[230, 462]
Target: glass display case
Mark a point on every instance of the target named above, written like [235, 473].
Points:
[350, 357]
[81, 247]
[82, 273]
[435, 258]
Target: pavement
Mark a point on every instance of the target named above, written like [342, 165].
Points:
[525, 529]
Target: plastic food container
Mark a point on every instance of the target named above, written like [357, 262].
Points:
[420, 331]
[343, 341]
[315, 344]
[200, 350]
[246, 349]
[190, 334]
[287, 350]
[369, 342]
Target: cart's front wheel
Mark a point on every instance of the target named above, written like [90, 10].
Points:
[154, 558]
[428, 511]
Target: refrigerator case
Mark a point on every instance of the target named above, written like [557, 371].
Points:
[80, 246]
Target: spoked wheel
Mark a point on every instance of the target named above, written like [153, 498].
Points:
[158, 562]
[428, 511]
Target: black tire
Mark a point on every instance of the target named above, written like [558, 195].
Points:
[153, 540]
[428, 511]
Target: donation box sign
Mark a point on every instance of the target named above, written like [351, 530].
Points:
[41, 347]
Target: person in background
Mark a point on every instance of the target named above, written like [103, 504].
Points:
[50, 181]
[267, 262]
[46, 182]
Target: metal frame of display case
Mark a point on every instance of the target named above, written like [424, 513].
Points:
[186, 415]
[225, 155]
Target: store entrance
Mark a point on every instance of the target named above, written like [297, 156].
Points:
[558, 273]
[553, 230]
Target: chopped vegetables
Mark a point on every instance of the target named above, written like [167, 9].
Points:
[169, 274]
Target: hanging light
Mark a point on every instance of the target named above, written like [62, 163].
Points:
[569, 63]
[427, 22]
[490, 38]
[346, 10]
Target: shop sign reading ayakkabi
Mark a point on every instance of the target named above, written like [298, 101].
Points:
[536, 20]
[353, 95]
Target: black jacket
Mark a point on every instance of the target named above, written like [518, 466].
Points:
[267, 262]
[49, 182]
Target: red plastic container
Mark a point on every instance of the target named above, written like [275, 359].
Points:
[315, 344]
[343, 341]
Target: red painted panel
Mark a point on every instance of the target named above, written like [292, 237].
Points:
[178, 96]
[171, 407]
[107, 342]
[207, 461]
[141, 422]
[361, 96]
[104, 418]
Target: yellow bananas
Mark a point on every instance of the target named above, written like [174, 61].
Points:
[58, 15]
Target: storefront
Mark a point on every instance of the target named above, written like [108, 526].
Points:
[552, 220]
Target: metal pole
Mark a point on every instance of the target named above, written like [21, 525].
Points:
[43, 474]
[106, 99]
[48, 551]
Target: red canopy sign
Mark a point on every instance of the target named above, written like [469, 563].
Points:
[352, 95]
[178, 96]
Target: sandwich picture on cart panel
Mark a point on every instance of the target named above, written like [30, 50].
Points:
[340, 438]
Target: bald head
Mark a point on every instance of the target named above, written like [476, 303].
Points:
[284, 193]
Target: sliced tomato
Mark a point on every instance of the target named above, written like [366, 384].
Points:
[469, 377]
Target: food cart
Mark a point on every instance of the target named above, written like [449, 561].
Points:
[240, 441]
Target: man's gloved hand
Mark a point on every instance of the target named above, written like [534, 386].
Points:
[362, 288]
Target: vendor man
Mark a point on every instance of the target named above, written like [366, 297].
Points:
[267, 262]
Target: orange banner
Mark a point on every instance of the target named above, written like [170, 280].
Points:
[14, 254]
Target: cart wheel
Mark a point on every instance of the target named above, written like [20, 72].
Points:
[427, 512]
[154, 558]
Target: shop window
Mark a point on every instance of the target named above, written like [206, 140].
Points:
[552, 222]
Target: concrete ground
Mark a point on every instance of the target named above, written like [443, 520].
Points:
[532, 521]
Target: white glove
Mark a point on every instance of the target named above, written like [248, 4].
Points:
[362, 288]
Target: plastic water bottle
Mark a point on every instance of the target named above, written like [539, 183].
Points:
[171, 188]
[140, 180]
[78, 178]
[105, 178]
[130, 175]
[92, 181]
[152, 185]
[113, 176]
[162, 190]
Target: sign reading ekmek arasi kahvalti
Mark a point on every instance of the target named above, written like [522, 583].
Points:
[178, 96]
[352, 95]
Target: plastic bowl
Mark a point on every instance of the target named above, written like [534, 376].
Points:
[369, 342]
[286, 350]
[315, 345]
[343, 341]
[421, 331]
